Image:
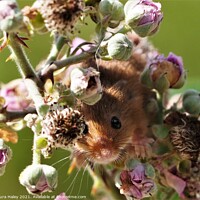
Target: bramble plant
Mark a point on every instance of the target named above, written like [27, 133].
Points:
[48, 98]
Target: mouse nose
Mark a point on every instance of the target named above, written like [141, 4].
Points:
[104, 151]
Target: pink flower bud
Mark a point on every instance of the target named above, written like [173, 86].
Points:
[38, 178]
[143, 16]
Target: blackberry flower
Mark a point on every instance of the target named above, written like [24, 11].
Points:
[135, 183]
[60, 16]
[62, 127]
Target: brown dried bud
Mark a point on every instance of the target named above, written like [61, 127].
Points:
[185, 134]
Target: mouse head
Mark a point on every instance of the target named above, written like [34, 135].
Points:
[111, 123]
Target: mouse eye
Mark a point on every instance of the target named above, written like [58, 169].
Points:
[115, 123]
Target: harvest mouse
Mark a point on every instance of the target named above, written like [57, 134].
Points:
[118, 123]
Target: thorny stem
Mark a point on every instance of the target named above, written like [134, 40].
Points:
[30, 78]
[26, 70]
[103, 176]
[24, 66]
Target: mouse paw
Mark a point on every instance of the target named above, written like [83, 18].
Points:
[141, 146]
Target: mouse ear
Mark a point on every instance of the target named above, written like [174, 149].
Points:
[120, 84]
[117, 90]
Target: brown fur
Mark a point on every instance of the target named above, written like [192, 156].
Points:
[123, 97]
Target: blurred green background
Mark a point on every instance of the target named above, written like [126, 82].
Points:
[179, 33]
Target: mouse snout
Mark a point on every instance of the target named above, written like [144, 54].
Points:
[104, 151]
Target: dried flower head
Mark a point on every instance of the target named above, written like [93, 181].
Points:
[185, 134]
[62, 127]
[61, 15]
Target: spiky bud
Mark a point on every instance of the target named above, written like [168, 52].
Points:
[61, 16]
[184, 134]
[62, 127]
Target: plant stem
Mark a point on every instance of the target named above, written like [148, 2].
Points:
[108, 181]
[48, 71]
[26, 70]
[74, 59]
[36, 152]
[31, 79]
[125, 29]
[24, 66]
[35, 94]
[58, 44]
[12, 115]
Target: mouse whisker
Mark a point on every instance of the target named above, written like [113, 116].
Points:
[74, 179]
